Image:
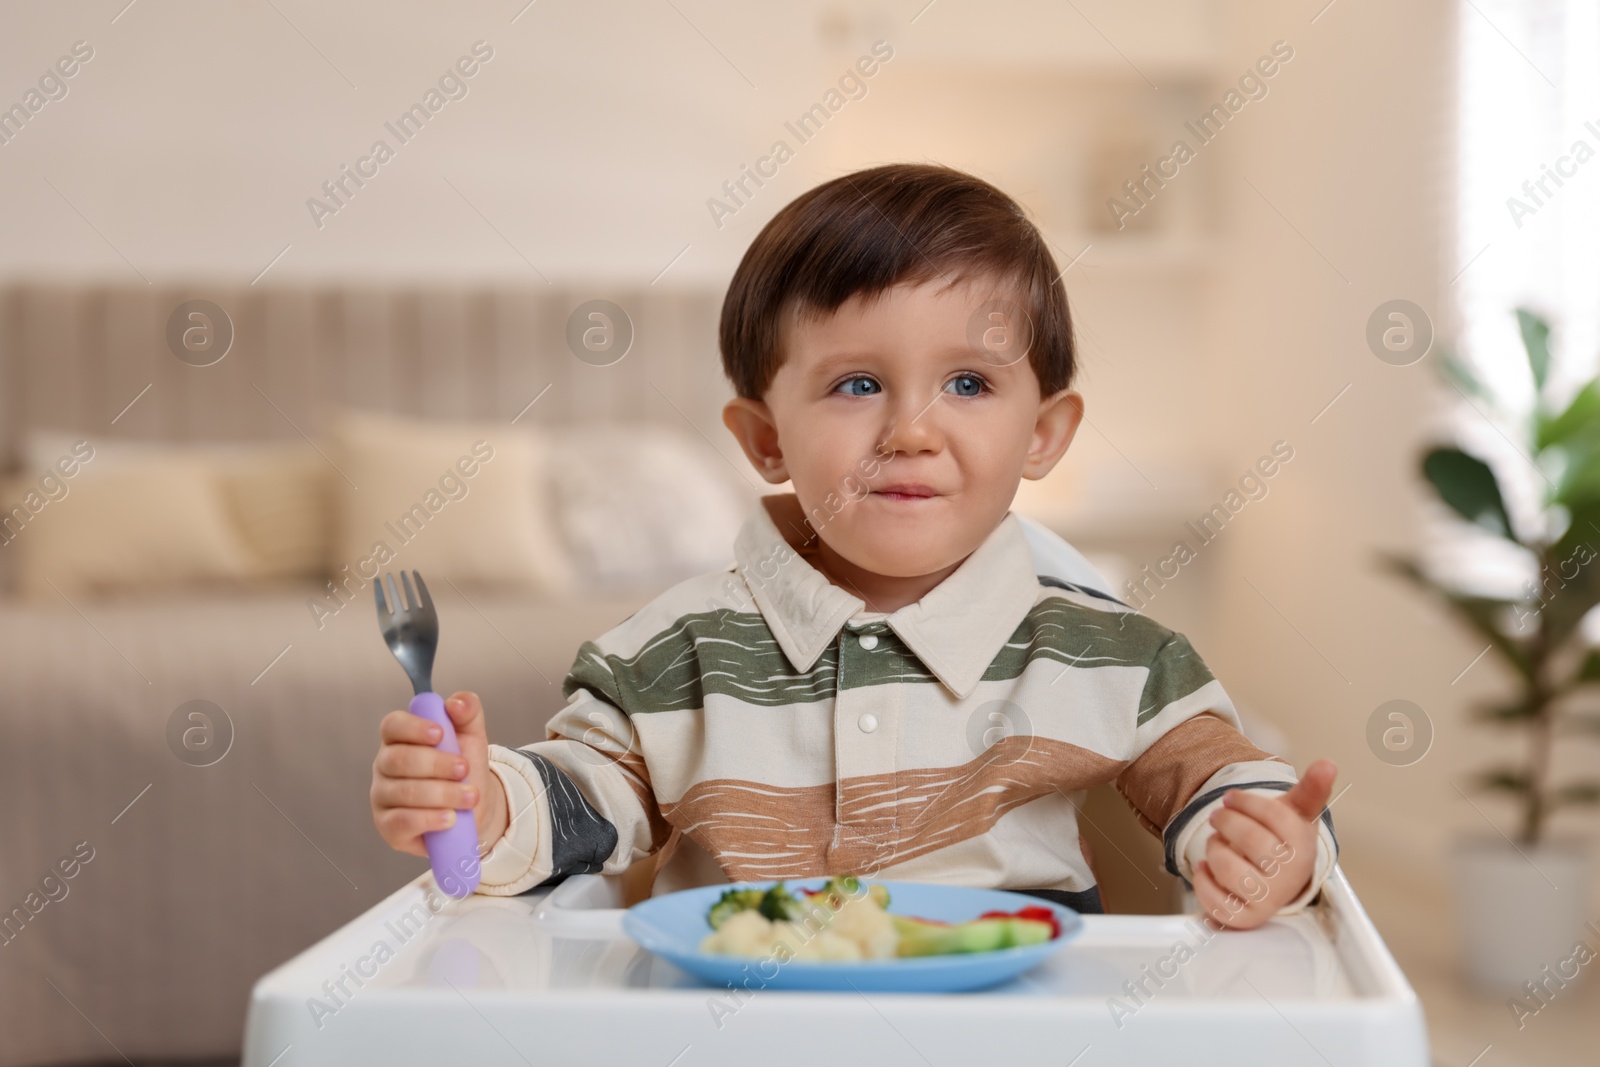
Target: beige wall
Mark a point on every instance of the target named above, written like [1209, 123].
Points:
[592, 139]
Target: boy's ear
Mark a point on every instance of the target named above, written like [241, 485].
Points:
[751, 423]
[1059, 416]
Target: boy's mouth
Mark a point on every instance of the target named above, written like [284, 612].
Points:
[905, 491]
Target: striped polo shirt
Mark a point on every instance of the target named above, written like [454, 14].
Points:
[774, 719]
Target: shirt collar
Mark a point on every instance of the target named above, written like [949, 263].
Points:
[956, 630]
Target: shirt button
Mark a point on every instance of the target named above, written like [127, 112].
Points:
[867, 722]
[868, 641]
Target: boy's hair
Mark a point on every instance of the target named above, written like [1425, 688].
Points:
[871, 230]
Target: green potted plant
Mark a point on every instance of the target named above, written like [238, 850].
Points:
[1522, 895]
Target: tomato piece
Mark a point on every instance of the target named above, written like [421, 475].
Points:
[1035, 912]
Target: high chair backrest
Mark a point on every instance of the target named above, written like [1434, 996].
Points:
[1054, 557]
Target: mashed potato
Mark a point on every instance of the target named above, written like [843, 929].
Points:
[858, 930]
[861, 920]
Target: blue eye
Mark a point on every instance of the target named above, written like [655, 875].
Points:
[965, 385]
[859, 387]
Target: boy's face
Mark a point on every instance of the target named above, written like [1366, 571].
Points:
[905, 439]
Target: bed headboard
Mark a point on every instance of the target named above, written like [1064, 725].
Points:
[73, 358]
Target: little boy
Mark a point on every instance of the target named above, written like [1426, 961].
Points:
[901, 347]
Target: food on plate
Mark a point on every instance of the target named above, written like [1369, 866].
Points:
[779, 903]
[836, 922]
[991, 930]
[848, 920]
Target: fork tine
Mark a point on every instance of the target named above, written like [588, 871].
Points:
[377, 588]
[395, 604]
[411, 596]
[422, 590]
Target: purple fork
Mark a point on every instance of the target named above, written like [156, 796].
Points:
[411, 630]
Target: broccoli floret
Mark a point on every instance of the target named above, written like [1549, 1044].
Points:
[780, 905]
[733, 900]
[842, 887]
[845, 885]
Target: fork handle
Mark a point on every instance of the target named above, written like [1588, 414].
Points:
[453, 851]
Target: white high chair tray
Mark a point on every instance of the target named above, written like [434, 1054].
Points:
[549, 978]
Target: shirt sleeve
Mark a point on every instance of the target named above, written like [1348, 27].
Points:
[1189, 752]
[579, 802]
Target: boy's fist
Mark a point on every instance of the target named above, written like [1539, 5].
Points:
[1264, 850]
[416, 787]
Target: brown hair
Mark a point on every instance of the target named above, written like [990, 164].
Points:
[871, 230]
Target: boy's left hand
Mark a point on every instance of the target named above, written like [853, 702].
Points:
[1264, 850]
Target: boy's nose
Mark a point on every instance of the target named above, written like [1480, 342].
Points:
[913, 426]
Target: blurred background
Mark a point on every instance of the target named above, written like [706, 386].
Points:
[241, 345]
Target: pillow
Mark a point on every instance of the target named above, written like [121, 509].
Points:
[14, 520]
[154, 518]
[454, 500]
[276, 494]
[281, 500]
[645, 505]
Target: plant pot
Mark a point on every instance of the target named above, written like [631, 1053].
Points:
[1521, 909]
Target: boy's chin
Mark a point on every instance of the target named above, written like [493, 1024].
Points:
[898, 554]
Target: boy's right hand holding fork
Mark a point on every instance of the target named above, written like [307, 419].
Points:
[416, 787]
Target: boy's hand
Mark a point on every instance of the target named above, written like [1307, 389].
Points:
[416, 787]
[1264, 850]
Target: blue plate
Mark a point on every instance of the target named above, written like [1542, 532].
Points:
[672, 926]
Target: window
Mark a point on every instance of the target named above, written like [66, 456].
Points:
[1527, 214]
